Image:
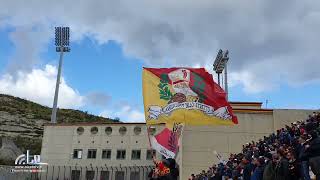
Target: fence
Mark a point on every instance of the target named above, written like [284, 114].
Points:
[77, 173]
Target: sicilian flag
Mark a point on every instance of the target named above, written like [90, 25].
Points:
[167, 141]
[185, 95]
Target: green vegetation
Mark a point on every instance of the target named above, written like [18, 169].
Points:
[31, 116]
[6, 162]
[31, 110]
[25, 143]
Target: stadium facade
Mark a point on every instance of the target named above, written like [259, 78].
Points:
[126, 144]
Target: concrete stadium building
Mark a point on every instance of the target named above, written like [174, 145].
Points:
[126, 144]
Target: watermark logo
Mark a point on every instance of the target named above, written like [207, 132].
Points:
[28, 163]
[27, 159]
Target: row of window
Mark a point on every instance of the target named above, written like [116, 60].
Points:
[104, 175]
[122, 130]
[106, 154]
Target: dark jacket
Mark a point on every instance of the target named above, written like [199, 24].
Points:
[282, 170]
[216, 177]
[315, 165]
[312, 151]
[258, 173]
[247, 170]
[294, 170]
[269, 171]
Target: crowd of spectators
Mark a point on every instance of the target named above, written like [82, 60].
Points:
[287, 154]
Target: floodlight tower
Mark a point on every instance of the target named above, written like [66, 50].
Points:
[219, 65]
[62, 45]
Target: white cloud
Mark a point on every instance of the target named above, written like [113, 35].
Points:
[126, 114]
[28, 43]
[38, 85]
[98, 99]
[258, 34]
[248, 81]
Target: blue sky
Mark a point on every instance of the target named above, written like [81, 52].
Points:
[102, 73]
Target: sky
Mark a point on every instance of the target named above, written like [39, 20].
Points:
[273, 49]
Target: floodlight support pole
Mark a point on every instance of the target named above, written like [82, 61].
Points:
[218, 78]
[226, 80]
[56, 94]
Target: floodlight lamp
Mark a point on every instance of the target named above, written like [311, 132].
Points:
[220, 61]
[62, 36]
[226, 54]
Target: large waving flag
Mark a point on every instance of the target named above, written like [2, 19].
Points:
[186, 95]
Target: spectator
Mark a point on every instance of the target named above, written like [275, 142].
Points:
[248, 168]
[312, 152]
[193, 177]
[293, 167]
[304, 164]
[217, 175]
[259, 168]
[269, 171]
[282, 168]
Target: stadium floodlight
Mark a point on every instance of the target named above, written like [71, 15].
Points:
[62, 35]
[219, 65]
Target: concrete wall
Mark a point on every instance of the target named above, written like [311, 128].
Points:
[60, 141]
[284, 117]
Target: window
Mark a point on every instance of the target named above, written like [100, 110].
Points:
[92, 153]
[94, 130]
[106, 154]
[75, 174]
[104, 175]
[121, 154]
[137, 130]
[77, 154]
[150, 153]
[136, 154]
[80, 130]
[108, 130]
[90, 175]
[122, 130]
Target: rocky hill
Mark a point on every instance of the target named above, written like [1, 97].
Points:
[21, 125]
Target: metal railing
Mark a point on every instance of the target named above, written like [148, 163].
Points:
[77, 173]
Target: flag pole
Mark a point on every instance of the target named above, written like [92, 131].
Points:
[180, 142]
[148, 131]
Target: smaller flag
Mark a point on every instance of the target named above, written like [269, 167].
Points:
[167, 141]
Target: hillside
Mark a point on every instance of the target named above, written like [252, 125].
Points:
[21, 121]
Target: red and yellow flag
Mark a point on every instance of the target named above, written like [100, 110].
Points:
[186, 95]
[167, 141]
